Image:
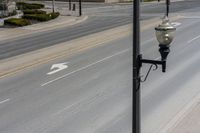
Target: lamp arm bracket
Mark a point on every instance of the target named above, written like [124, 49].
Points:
[153, 63]
[156, 67]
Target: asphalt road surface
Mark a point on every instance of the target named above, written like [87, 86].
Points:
[86, 97]
[94, 24]
[93, 94]
[100, 18]
[165, 95]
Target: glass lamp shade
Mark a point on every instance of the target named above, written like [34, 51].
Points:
[165, 32]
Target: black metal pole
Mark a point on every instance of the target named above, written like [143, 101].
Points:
[80, 8]
[70, 5]
[167, 7]
[53, 6]
[136, 68]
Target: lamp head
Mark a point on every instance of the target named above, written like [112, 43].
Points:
[165, 32]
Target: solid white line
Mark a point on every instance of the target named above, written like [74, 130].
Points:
[176, 24]
[194, 39]
[82, 68]
[6, 100]
[191, 17]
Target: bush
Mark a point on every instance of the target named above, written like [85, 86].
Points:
[54, 15]
[25, 6]
[38, 17]
[41, 17]
[34, 12]
[17, 22]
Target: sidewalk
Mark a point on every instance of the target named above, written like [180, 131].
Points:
[190, 123]
[187, 120]
[163, 1]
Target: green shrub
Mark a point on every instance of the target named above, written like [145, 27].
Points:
[54, 15]
[25, 6]
[38, 17]
[41, 17]
[34, 12]
[17, 22]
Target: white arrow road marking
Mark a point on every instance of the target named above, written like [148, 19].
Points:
[58, 67]
[6, 100]
[85, 67]
[176, 24]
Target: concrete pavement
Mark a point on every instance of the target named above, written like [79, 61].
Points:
[187, 120]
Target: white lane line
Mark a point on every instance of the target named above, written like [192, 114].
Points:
[194, 39]
[82, 68]
[191, 17]
[176, 24]
[6, 100]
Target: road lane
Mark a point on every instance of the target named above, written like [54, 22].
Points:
[36, 41]
[60, 108]
[98, 99]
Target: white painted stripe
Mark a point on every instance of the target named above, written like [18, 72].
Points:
[82, 68]
[6, 100]
[176, 24]
[194, 39]
[191, 17]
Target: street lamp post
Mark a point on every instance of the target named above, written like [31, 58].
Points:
[53, 6]
[164, 34]
[80, 8]
[136, 68]
[167, 7]
[70, 5]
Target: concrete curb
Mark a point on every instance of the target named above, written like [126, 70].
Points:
[27, 30]
[56, 25]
